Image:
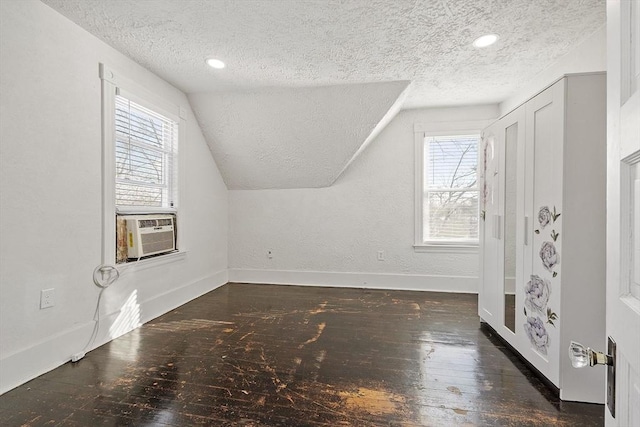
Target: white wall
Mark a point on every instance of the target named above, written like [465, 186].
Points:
[50, 154]
[588, 56]
[317, 235]
[50, 182]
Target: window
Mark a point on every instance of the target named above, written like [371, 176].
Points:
[145, 149]
[447, 190]
[141, 135]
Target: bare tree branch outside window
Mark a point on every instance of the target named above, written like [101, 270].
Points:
[450, 200]
[144, 149]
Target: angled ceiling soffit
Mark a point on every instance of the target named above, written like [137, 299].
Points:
[294, 137]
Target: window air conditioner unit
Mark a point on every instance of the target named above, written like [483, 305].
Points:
[150, 235]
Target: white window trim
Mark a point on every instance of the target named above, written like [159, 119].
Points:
[111, 84]
[143, 264]
[421, 131]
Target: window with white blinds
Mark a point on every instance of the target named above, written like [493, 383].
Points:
[146, 146]
[450, 189]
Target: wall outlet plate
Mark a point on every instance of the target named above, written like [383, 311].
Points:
[47, 298]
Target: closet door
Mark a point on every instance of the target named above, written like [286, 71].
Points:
[489, 287]
[543, 191]
[511, 251]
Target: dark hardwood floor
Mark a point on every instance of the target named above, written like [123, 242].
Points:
[264, 355]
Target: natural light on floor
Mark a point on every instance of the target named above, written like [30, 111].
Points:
[129, 317]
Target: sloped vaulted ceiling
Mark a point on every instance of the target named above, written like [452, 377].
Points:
[287, 138]
[292, 105]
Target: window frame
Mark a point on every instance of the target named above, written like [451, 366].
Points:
[421, 132]
[113, 84]
[170, 162]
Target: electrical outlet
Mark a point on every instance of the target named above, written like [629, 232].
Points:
[380, 255]
[47, 298]
[269, 254]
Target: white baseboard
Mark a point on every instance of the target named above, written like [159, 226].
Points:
[24, 365]
[163, 303]
[412, 282]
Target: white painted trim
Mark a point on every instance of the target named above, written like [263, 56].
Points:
[413, 282]
[143, 264]
[421, 131]
[448, 249]
[28, 363]
[113, 82]
[165, 302]
[418, 186]
[139, 210]
[108, 169]
[140, 92]
[451, 128]
[180, 177]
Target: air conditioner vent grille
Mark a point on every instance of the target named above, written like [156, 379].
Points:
[157, 242]
[147, 223]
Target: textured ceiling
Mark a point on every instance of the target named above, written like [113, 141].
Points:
[292, 50]
[323, 42]
[291, 138]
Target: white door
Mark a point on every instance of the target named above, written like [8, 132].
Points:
[544, 184]
[501, 164]
[489, 292]
[623, 205]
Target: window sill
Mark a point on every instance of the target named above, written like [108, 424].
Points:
[152, 262]
[462, 248]
[145, 210]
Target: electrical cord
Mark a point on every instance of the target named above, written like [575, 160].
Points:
[103, 277]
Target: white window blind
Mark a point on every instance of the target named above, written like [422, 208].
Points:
[450, 199]
[146, 146]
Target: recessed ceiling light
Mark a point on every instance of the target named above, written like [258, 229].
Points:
[215, 63]
[486, 40]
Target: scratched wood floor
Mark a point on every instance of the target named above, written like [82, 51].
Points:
[265, 355]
